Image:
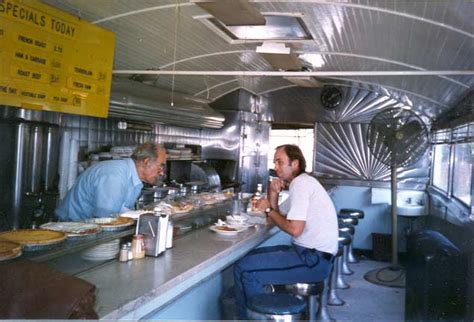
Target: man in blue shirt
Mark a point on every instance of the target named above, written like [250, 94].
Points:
[111, 187]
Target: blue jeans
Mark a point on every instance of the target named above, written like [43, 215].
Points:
[281, 264]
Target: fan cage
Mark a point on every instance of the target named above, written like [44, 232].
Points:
[397, 137]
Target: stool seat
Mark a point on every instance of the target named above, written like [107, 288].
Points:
[347, 228]
[276, 304]
[344, 237]
[356, 213]
[306, 289]
[348, 219]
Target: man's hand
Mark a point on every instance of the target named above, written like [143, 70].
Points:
[274, 188]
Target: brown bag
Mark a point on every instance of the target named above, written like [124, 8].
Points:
[32, 290]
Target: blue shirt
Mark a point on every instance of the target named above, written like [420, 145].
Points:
[102, 190]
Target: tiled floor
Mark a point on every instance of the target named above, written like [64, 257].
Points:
[367, 302]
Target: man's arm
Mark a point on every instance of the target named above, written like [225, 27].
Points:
[292, 227]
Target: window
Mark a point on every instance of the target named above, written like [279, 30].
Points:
[304, 138]
[441, 166]
[462, 171]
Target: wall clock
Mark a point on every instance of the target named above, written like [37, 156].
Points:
[331, 97]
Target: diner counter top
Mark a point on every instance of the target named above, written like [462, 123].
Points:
[135, 289]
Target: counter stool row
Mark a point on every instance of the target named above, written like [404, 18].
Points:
[290, 306]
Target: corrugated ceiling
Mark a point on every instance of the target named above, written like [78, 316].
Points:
[422, 35]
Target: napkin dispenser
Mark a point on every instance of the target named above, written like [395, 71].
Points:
[153, 227]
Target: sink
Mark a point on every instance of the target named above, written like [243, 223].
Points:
[411, 210]
[411, 203]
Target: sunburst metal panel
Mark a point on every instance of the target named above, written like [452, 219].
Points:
[342, 153]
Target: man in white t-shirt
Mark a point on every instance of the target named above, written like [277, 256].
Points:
[308, 215]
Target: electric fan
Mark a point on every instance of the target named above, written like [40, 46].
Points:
[397, 138]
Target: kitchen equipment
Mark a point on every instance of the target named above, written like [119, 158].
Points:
[153, 227]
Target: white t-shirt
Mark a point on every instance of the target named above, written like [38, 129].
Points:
[310, 202]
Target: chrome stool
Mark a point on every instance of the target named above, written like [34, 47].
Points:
[333, 298]
[345, 225]
[344, 240]
[275, 307]
[354, 213]
[313, 292]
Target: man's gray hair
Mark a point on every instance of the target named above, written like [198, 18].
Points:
[146, 150]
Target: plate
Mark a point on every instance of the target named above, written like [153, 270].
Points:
[240, 225]
[111, 223]
[73, 229]
[226, 230]
[33, 237]
[102, 252]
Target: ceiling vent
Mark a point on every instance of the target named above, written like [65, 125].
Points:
[131, 100]
[232, 12]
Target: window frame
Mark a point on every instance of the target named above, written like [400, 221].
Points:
[448, 140]
[452, 166]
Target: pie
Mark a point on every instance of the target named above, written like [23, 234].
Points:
[33, 237]
[113, 222]
[72, 228]
[180, 208]
[9, 249]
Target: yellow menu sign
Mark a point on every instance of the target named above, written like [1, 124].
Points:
[53, 61]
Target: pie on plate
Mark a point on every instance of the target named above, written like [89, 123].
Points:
[33, 237]
[112, 223]
[72, 228]
[9, 249]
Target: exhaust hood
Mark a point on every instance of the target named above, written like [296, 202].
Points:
[135, 101]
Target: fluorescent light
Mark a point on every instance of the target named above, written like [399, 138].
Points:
[273, 48]
[275, 28]
[316, 60]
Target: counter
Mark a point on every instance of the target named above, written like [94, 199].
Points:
[134, 289]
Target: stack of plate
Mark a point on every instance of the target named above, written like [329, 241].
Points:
[102, 252]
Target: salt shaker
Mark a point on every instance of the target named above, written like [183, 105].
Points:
[169, 235]
[129, 249]
[123, 257]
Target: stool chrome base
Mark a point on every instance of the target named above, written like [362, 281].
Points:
[351, 258]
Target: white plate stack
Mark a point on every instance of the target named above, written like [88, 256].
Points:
[102, 252]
